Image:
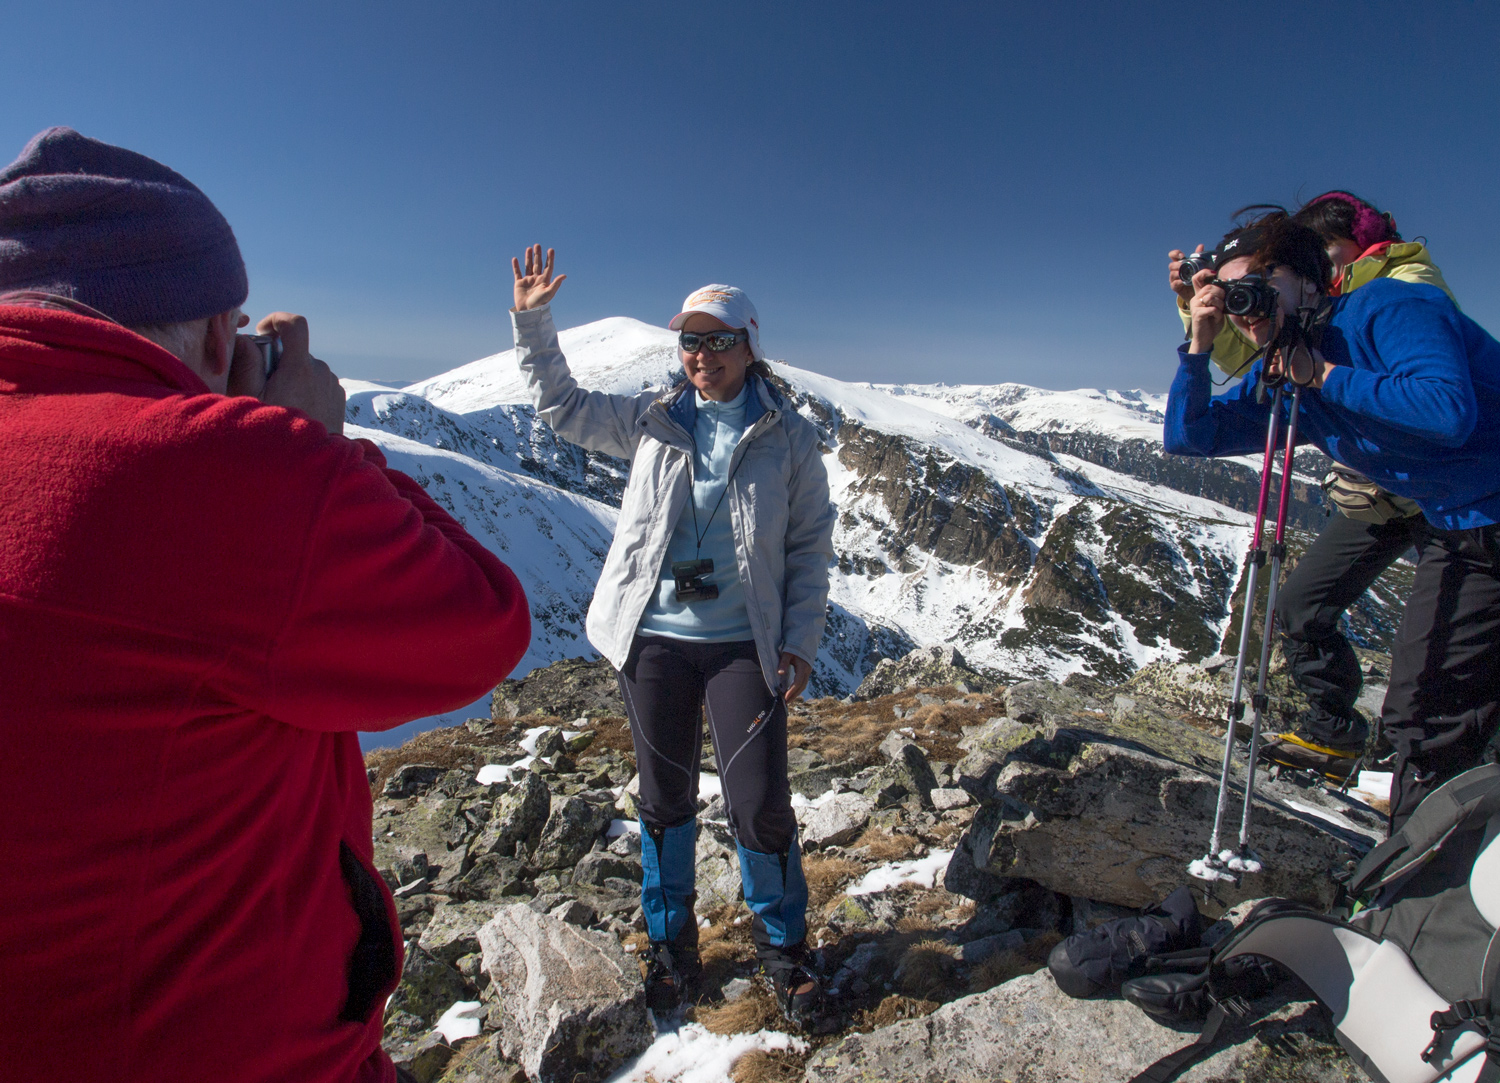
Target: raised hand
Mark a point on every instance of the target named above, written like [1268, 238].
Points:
[1207, 310]
[536, 287]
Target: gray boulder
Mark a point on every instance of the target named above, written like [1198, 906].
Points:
[836, 822]
[717, 868]
[1028, 1029]
[429, 986]
[569, 1004]
[570, 832]
[517, 817]
[454, 929]
[1113, 803]
[594, 869]
[411, 779]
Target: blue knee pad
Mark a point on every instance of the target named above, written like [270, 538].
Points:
[776, 892]
[668, 857]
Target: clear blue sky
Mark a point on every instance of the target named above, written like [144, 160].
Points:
[944, 191]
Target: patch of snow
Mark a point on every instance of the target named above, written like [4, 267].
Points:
[923, 872]
[1323, 814]
[492, 773]
[460, 1021]
[623, 827]
[1374, 784]
[798, 801]
[709, 786]
[690, 1053]
[533, 734]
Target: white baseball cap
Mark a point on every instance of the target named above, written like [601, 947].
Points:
[727, 304]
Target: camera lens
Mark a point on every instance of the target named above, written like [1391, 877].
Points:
[1251, 296]
[1192, 265]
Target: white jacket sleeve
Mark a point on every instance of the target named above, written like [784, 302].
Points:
[809, 551]
[591, 419]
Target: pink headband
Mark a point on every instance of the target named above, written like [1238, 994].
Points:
[1370, 226]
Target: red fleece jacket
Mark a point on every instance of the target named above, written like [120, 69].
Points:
[202, 599]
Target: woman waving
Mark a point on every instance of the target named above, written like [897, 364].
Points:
[712, 600]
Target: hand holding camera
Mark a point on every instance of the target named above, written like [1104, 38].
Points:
[1181, 268]
[289, 376]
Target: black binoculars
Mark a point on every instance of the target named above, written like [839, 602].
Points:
[691, 576]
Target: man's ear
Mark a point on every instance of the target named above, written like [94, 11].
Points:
[218, 344]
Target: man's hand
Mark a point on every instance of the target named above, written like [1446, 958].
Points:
[1179, 287]
[1207, 311]
[300, 381]
[797, 679]
[536, 287]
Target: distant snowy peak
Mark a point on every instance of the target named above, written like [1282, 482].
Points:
[619, 355]
[1122, 415]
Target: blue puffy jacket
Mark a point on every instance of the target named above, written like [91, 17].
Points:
[1414, 404]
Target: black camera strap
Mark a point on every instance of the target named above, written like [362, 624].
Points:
[698, 535]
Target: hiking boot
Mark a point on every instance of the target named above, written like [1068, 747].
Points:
[671, 974]
[789, 971]
[1294, 750]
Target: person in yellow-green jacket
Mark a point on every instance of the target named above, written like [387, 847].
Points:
[1374, 528]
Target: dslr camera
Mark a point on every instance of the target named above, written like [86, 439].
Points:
[1252, 297]
[692, 580]
[1191, 265]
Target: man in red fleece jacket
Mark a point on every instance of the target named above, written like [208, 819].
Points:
[205, 591]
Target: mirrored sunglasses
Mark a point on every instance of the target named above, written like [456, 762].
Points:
[717, 341]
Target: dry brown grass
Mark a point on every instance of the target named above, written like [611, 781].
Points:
[1012, 964]
[926, 971]
[450, 747]
[936, 903]
[881, 845]
[759, 1066]
[827, 876]
[756, 1010]
[611, 734]
[893, 1009]
[722, 959]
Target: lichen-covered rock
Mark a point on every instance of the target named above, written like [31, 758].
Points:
[454, 929]
[429, 986]
[410, 779]
[570, 832]
[836, 822]
[717, 868]
[1112, 804]
[437, 827]
[1028, 1029]
[518, 817]
[926, 667]
[594, 869]
[572, 688]
[569, 1004]
[492, 876]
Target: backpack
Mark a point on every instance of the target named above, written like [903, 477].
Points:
[1409, 966]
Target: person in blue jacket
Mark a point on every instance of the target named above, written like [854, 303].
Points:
[1404, 388]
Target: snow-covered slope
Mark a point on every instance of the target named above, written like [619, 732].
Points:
[960, 523]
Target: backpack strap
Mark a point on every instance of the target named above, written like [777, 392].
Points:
[1479, 1014]
[1174, 1064]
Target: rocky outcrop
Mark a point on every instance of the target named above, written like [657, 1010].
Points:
[1028, 1029]
[1112, 800]
[572, 688]
[568, 1003]
[927, 667]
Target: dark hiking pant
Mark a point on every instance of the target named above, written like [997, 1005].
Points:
[1342, 562]
[1441, 710]
[668, 684]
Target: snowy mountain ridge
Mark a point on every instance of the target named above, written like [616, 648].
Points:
[963, 517]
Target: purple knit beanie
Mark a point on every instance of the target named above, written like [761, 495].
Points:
[115, 230]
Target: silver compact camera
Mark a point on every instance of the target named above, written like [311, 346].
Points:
[270, 351]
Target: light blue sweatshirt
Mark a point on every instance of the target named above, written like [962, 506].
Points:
[716, 432]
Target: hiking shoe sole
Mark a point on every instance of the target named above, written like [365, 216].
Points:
[1290, 750]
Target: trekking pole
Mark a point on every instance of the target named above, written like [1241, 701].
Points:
[1212, 865]
[1246, 860]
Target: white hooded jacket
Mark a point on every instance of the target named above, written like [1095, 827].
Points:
[777, 499]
